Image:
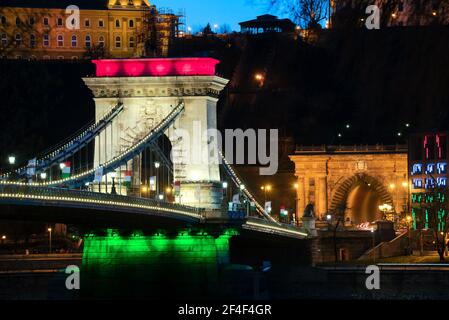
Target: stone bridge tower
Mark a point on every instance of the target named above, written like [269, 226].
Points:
[149, 89]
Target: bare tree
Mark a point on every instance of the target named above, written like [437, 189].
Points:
[308, 14]
[225, 29]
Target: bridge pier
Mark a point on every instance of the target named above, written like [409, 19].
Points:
[149, 90]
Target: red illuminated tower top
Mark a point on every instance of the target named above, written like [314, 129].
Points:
[156, 67]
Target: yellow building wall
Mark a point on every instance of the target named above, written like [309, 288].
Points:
[109, 31]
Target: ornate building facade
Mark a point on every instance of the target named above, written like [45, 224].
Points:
[354, 180]
[106, 28]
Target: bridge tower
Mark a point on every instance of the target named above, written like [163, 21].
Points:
[149, 90]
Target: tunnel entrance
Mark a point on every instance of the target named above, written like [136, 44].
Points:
[361, 196]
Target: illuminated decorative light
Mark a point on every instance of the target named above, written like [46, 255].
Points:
[156, 67]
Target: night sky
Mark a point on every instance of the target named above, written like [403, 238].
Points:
[231, 12]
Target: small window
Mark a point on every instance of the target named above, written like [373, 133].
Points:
[18, 21]
[4, 39]
[131, 23]
[101, 41]
[46, 23]
[31, 21]
[101, 23]
[46, 40]
[3, 20]
[88, 42]
[32, 41]
[87, 23]
[74, 41]
[118, 42]
[117, 23]
[60, 22]
[131, 42]
[18, 39]
[60, 40]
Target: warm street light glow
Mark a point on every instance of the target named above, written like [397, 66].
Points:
[258, 76]
[49, 229]
[296, 186]
[168, 190]
[329, 217]
[385, 208]
[392, 186]
[434, 13]
[3, 237]
[144, 189]
[405, 184]
[394, 15]
[409, 219]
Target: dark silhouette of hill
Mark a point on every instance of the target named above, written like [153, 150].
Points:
[376, 81]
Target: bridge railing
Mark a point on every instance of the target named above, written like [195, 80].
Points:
[57, 194]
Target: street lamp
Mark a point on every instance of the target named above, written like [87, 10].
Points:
[409, 220]
[62, 166]
[161, 197]
[157, 165]
[266, 189]
[12, 160]
[49, 238]
[3, 239]
[385, 209]
[43, 175]
[114, 190]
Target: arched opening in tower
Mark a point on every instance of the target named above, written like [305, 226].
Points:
[157, 170]
[362, 204]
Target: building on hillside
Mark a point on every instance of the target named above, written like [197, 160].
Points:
[38, 29]
[393, 13]
[267, 23]
[428, 161]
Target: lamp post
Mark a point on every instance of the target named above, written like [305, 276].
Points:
[3, 239]
[266, 189]
[113, 190]
[49, 238]
[11, 162]
[157, 165]
[409, 231]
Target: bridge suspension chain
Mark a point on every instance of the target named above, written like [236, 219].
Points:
[72, 145]
[114, 163]
[239, 184]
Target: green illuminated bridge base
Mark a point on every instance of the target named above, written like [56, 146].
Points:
[191, 263]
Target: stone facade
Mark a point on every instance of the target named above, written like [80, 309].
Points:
[326, 178]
